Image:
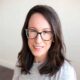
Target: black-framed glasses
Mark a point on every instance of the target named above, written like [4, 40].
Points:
[32, 34]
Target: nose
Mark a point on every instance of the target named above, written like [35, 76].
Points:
[38, 39]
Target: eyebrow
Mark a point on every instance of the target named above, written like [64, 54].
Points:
[42, 29]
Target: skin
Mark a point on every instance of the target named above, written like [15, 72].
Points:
[39, 47]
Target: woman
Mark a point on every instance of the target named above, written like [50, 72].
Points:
[42, 53]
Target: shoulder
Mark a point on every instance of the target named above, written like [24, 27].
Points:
[67, 66]
[67, 72]
[17, 72]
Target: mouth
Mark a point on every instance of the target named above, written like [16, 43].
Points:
[38, 48]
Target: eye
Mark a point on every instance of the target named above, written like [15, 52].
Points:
[46, 32]
[32, 30]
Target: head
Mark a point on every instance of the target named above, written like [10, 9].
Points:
[39, 36]
[43, 40]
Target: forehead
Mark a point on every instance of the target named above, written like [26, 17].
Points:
[39, 22]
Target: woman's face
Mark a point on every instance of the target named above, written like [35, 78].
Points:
[38, 46]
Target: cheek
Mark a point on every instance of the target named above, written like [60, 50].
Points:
[30, 43]
[48, 44]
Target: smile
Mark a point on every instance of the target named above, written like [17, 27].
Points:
[38, 47]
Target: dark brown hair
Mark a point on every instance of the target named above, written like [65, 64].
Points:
[55, 57]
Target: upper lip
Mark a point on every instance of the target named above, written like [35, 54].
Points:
[38, 46]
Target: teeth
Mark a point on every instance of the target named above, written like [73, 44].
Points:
[38, 47]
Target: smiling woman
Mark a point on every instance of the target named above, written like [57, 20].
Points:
[39, 44]
[42, 54]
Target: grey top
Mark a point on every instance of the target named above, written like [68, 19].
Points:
[66, 72]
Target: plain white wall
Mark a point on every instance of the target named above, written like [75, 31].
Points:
[12, 17]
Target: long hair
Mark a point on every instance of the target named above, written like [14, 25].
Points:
[55, 56]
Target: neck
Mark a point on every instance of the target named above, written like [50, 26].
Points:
[40, 59]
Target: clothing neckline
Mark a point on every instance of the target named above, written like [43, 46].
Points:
[37, 63]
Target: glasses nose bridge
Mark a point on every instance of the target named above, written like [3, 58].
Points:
[38, 34]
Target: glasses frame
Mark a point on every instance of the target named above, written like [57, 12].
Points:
[26, 30]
